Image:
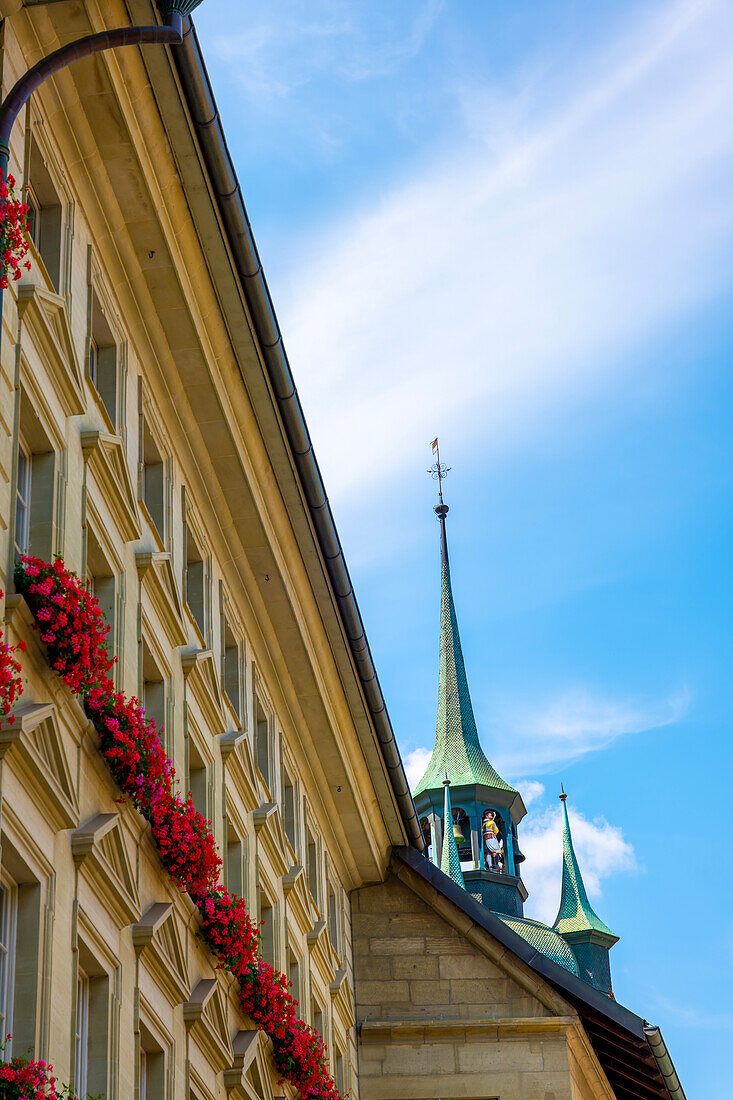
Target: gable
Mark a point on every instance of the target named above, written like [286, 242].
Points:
[158, 935]
[412, 963]
[47, 319]
[37, 739]
[159, 583]
[202, 678]
[100, 850]
[105, 456]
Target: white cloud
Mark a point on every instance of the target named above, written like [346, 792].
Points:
[416, 763]
[600, 847]
[519, 270]
[541, 737]
[531, 790]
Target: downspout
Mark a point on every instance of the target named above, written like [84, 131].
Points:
[205, 116]
[658, 1048]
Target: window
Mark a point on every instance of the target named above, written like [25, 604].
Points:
[152, 1067]
[39, 497]
[231, 665]
[263, 743]
[8, 945]
[267, 930]
[101, 583]
[339, 1075]
[196, 582]
[102, 358]
[234, 864]
[294, 975]
[198, 779]
[312, 864]
[46, 216]
[92, 1026]
[81, 1044]
[333, 929]
[288, 808]
[317, 1013]
[23, 500]
[153, 696]
[153, 479]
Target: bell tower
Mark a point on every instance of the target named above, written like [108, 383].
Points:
[486, 810]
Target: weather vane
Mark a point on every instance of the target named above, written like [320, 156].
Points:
[438, 470]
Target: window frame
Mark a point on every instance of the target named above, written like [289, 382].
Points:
[81, 1033]
[22, 546]
[9, 947]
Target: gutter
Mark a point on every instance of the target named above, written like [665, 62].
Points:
[658, 1048]
[205, 117]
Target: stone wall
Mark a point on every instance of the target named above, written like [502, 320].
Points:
[441, 1019]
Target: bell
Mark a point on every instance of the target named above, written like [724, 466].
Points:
[459, 837]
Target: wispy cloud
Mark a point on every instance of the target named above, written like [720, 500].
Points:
[536, 737]
[519, 272]
[335, 40]
[601, 849]
[541, 737]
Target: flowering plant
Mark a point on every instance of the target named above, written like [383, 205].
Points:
[11, 685]
[13, 233]
[72, 627]
[21, 1079]
[71, 622]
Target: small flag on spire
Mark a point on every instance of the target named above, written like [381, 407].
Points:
[434, 445]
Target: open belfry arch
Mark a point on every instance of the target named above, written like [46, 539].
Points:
[152, 436]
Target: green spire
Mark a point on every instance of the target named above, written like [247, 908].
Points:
[450, 861]
[457, 752]
[576, 913]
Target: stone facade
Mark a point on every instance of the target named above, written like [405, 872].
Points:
[445, 1013]
[138, 444]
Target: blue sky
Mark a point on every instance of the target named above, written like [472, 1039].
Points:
[510, 225]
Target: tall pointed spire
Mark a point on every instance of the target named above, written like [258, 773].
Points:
[450, 861]
[576, 913]
[457, 751]
[577, 922]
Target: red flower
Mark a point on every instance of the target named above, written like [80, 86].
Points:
[11, 685]
[72, 627]
[13, 232]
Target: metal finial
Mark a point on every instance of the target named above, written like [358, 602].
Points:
[563, 796]
[438, 470]
[446, 781]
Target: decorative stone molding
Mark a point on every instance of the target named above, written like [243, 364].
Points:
[207, 1010]
[45, 315]
[155, 570]
[100, 849]
[104, 455]
[40, 757]
[249, 1076]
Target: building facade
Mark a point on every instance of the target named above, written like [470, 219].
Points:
[151, 436]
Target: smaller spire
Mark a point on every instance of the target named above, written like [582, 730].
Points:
[450, 861]
[576, 914]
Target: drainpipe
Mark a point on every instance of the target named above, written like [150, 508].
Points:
[664, 1062]
[170, 33]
